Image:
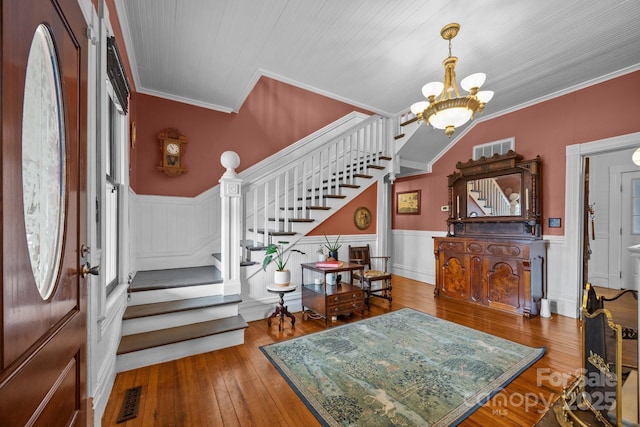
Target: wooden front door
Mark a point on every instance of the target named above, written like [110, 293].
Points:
[43, 217]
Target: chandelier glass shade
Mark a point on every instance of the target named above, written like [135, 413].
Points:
[445, 108]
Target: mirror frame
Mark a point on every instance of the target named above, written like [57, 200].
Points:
[526, 225]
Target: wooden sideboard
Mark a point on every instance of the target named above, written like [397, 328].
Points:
[504, 274]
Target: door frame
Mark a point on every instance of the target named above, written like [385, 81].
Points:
[574, 198]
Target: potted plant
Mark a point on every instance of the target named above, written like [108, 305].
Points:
[321, 255]
[276, 253]
[333, 247]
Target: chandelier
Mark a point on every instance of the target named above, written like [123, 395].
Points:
[445, 108]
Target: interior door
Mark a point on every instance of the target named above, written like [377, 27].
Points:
[43, 191]
[630, 232]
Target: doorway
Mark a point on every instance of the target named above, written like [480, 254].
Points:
[43, 160]
[630, 229]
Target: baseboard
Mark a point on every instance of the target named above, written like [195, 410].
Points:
[411, 273]
[261, 309]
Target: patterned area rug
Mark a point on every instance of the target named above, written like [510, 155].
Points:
[401, 368]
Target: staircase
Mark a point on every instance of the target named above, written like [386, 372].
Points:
[489, 197]
[184, 311]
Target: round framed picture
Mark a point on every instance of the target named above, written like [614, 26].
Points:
[362, 218]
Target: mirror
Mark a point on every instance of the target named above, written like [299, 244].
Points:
[495, 196]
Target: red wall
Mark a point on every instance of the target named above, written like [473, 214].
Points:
[546, 129]
[342, 222]
[274, 116]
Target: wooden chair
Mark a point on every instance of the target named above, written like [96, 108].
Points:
[607, 388]
[376, 278]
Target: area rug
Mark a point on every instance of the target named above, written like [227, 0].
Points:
[401, 368]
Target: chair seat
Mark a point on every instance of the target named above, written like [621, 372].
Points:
[375, 273]
[376, 282]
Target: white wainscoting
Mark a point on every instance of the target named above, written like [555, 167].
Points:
[413, 254]
[413, 258]
[176, 232]
[110, 331]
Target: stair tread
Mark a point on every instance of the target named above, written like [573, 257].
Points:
[146, 310]
[376, 167]
[275, 233]
[175, 278]
[362, 175]
[294, 219]
[349, 185]
[323, 208]
[252, 246]
[326, 196]
[409, 121]
[244, 263]
[146, 340]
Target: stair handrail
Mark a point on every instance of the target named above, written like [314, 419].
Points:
[289, 192]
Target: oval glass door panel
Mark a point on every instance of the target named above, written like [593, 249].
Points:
[43, 161]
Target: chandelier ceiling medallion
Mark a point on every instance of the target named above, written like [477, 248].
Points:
[445, 108]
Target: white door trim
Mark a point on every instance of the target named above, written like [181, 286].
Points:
[574, 199]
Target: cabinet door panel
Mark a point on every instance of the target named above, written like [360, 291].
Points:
[454, 277]
[504, 283]
[477, 279]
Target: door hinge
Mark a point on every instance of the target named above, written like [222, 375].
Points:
[97, 211]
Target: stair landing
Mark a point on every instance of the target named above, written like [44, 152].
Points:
[175, 278]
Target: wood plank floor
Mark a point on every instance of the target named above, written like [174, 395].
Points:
[238, 386]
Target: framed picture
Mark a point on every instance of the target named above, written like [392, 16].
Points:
[408, 202]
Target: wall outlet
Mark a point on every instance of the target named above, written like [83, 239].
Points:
[444, 208]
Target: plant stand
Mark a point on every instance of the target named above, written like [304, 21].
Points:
[281, 310]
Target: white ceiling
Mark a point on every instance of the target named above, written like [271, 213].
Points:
[376, 54]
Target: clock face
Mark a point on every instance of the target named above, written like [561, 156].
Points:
[173, 148]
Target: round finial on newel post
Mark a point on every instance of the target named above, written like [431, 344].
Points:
[231, 161]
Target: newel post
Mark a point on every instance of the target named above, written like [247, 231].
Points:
[230, 193]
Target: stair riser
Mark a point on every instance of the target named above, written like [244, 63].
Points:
[170, 320]
[138, 359]
[163, 295]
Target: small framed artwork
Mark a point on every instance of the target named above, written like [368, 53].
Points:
[408, 202]
[554, 223]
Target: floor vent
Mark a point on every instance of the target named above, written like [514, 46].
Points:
[130, 404]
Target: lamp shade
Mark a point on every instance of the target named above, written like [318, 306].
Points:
[474, 80]
[432, 89]
[419, 107]
[635, 157]
[450, 117]
[485, 96]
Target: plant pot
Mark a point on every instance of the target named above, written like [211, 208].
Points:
[333, 254]
[282, 278]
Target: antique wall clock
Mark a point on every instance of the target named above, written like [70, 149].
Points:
[172, 147]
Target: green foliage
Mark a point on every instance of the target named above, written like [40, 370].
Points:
[276, 253]
[332, 247]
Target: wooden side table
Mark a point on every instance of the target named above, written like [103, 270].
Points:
[281, 310]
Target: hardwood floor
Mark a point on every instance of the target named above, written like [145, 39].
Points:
[238, 386]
